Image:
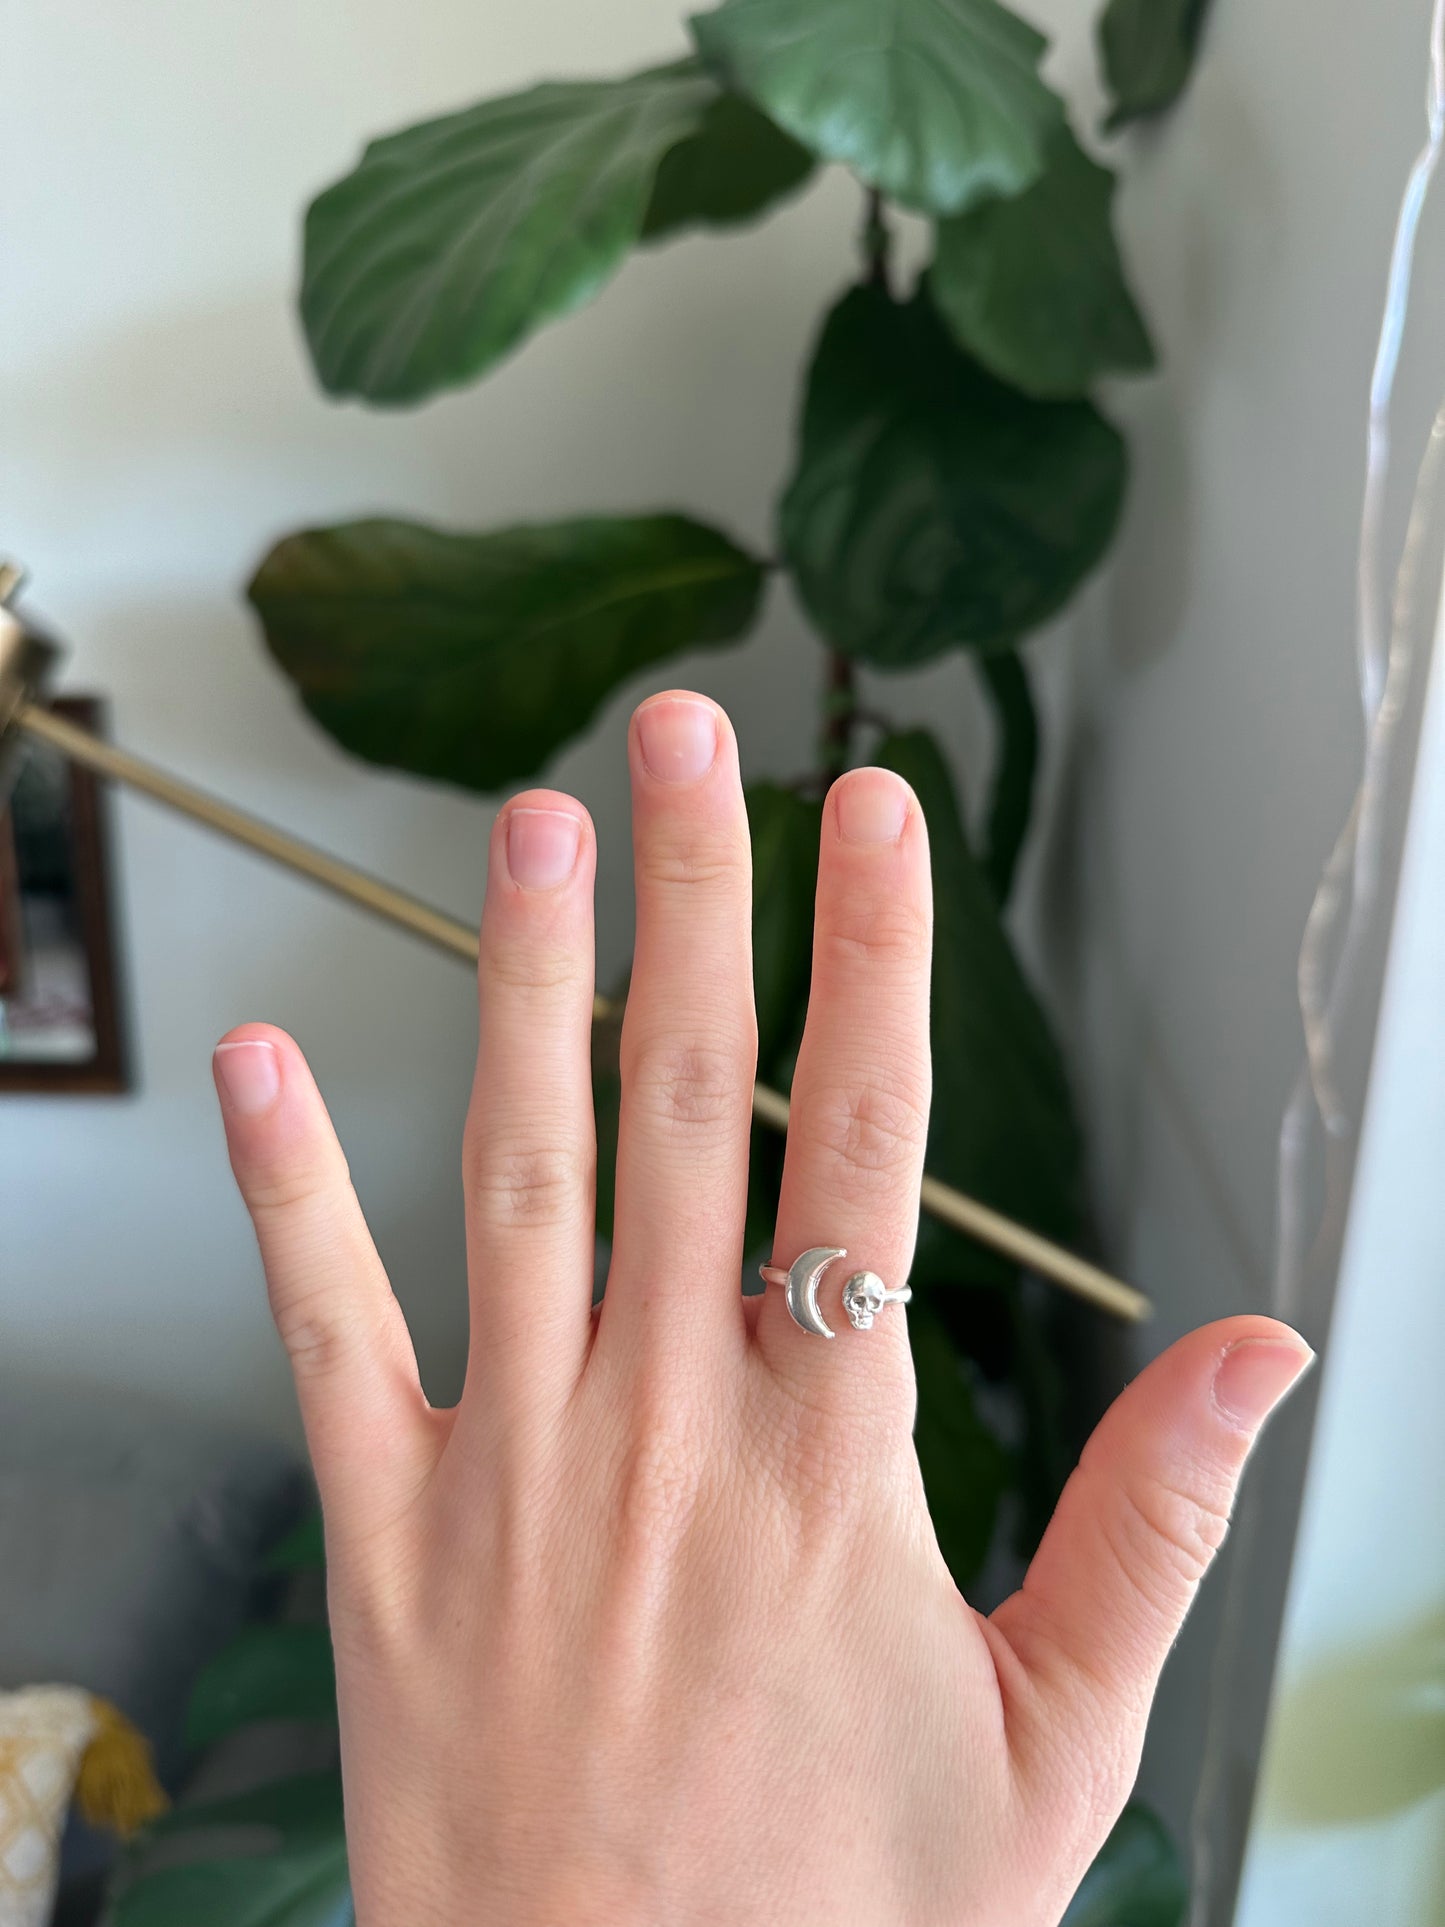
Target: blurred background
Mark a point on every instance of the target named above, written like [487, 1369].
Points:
[1202, 746]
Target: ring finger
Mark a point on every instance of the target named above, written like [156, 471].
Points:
[860, 1096]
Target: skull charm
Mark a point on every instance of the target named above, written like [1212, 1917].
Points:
[865, 1295]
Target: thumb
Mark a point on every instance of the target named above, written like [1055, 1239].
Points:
[1134, 1534]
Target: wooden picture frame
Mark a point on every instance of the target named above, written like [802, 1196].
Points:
[60, 1016]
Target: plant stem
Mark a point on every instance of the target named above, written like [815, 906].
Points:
[840, 714]
[875, 241]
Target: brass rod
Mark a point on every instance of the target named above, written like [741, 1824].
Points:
[459, 939]
[367, 892]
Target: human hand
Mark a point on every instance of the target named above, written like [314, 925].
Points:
[653, 1626]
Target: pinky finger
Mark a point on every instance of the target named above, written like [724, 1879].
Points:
[351, 1356]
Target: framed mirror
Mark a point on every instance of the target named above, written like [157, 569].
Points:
[60, 1021]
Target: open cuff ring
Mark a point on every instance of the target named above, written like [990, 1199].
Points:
[864, 1295]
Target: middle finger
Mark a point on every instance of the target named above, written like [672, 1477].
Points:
[689, 1038]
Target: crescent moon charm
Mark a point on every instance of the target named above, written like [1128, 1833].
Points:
[803, 1276]
[864, 1295]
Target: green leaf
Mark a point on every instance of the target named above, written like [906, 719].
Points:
[299, 1803]
[1046, 1452]
[1147, 49]
[932, 506]
[785, 828]
[472, 658]
[607, 1104]
[1003, 1127]
[307, 1888]
[965, 1469]
[1034, 288]
[302, 1550]
[1137, 1880]
[452, 241]
[274, 1672]
[732, 169]
[296, 1878]
[1012, 796]
[934, 102]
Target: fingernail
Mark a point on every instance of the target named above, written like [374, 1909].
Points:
[872, 806]
[542, 847]
[250, 1074]
[1254, 1375]
[678, 737]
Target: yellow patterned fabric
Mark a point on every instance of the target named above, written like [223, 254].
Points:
[44, 1731]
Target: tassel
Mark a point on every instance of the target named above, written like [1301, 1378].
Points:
[117, 1788]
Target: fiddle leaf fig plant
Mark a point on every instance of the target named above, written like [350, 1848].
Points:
[953, 483]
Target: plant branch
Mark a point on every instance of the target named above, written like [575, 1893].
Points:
[876, 240]
[840, 716]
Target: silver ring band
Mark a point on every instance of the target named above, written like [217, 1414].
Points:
[864, 1295]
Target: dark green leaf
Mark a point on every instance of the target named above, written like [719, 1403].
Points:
[735, 166]
[474, 657]
[785, 828]
[931, 505]
[934, 102]
[308, 1888]
[279, 1672]
[965, 1469]
[607, 1104]
[1046, 1454]
[1137, 1880]
[301, 1804]
[980, 1321]
[293, 1875]
[452, 241]
[302, 1550]
[765, 1181]
[1034, 287]
[1003, 1127]
[1012, 796]
[1147, 48]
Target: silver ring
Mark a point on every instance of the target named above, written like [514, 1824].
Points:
[864, 1295]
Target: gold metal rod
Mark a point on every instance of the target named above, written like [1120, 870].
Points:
[459, 939]
[367, 892]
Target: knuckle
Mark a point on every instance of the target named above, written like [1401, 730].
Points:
[706, 862]
[317, 1341]
[687, 1086]
[874, 930]
[656, 1490]
[291, 1188]
[525, 1186]
[875, 1131]
[528, 967]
